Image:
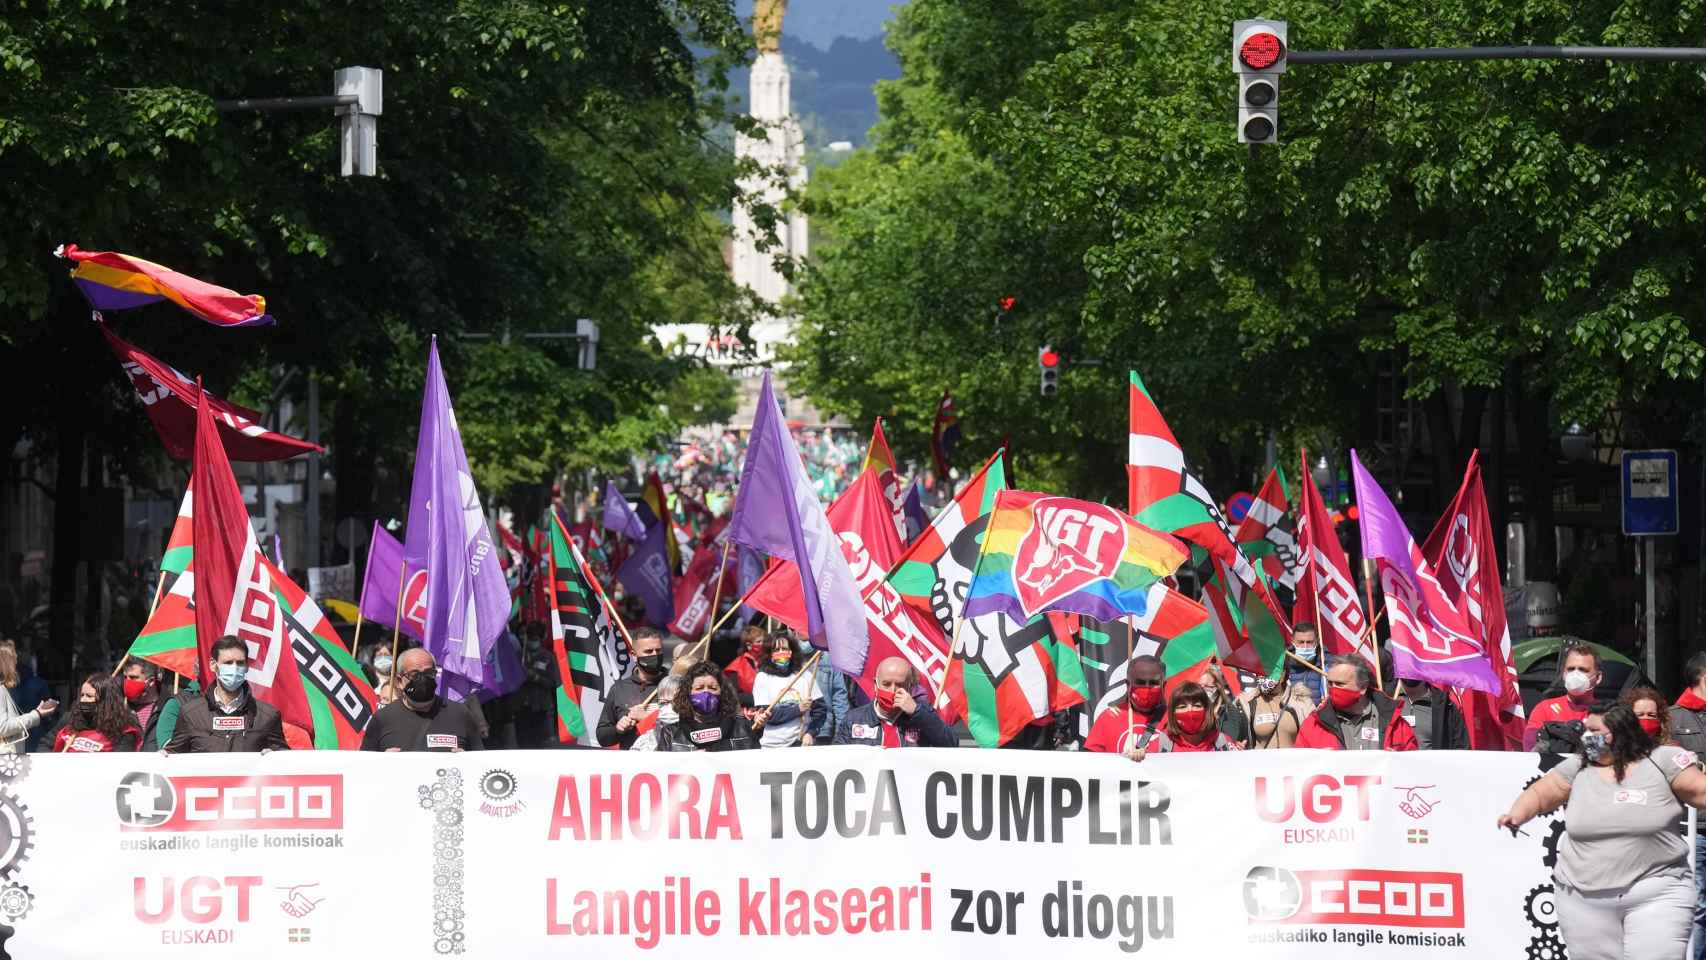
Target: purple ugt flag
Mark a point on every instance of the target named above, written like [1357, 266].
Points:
[383, 586]
[646, 575]
[466, 604]
[777, 512]
[619, 517]
[1431, 639]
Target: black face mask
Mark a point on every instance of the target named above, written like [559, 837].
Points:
[83, 714]
[651, 662]
[421, 688]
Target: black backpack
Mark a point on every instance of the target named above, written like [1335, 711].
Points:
[1560, 736]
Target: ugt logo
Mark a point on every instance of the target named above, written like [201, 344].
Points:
[1069, 545]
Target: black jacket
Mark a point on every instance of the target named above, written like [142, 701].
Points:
[1447, 730]
[922, 729]
[624, 694]
[204, 728]
[687, 736]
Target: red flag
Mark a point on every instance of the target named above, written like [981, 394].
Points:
[235, 592]
[695, 591]
[171, 399]
[1326, 594]
[879, 459]
[862, 519]
[1462, 554]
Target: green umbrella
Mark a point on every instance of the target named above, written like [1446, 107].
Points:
[1529, 652]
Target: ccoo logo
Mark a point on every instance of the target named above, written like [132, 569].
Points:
[1069, 545]
[145, 799]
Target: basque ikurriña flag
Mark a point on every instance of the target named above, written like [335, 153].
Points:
[114, 281]
[1432, 640]
[590, 655]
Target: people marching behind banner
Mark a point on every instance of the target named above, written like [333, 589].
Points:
[895, 717]
[98, 721]
[1623, 884]
[629, 700]
[1304, 675]
[708, 717]
[1129, 727]
[228, 718]
[1555, 724]
[1272, 720]
[787, 710]
[1223, 709]
[420, 719]
[1356, 715]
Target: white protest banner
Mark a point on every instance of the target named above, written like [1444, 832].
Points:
[820, 852]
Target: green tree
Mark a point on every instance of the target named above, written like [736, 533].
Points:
[539, 162]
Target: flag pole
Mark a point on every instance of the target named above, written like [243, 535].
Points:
[1130, 714]
[809, 664]
[1369, 568]
[598, 588]
[397, 625]
[1306, 663]
[159, 585]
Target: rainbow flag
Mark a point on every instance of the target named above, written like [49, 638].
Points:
[1043, 553]
[114, 281]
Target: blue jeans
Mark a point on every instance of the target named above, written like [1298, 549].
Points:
[1700, 895]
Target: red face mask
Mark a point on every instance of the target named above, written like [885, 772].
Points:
[133, 687]
[885, 698]
[1145, 699]
[1344, 698]
[1649, 724]
[1190, 720]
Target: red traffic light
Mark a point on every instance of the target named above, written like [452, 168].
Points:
[1047, 358]
[1262, 50]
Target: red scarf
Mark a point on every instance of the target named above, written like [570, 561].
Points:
[1690, 701]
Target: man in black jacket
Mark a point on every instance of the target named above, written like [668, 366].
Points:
[229, 718]
[622, 707]
[895, 718]
[1438, 724]
[419, 719]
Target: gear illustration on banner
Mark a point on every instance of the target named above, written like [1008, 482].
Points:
[443, 799]
[1541, 907]
[16, 833]
[498, 785]
[15, 902]
[1545, 945]
[1553, 838]
[14, 767]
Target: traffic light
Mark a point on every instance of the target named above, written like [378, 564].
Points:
[1258, 57]
[1048, 366]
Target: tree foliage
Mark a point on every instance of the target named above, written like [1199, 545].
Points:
[1519, 225]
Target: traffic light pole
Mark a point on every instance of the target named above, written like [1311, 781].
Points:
[1422, 54]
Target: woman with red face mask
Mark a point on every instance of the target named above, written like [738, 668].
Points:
[1128, 727]
[1192, 725]
[1650, 713]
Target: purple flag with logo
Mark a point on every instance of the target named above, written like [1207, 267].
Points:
[466, 604]
[646, 575]
[1431, 639]
[619, 517]
[749, 569]
[384, 584]
[777, 512]
[912, 510]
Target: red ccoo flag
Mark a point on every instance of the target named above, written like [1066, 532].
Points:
[1462, 554]
[1326, 594]
[235, 592]
[171, 400]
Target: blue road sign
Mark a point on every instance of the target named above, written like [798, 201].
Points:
[1649, 493]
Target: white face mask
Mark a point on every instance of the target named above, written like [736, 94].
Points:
[1577, 682]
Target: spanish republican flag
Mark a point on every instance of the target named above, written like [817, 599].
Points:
[114, 281]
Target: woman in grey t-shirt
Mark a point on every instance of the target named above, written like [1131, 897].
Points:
[1623, 886]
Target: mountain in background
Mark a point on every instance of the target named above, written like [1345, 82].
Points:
[835, 50]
